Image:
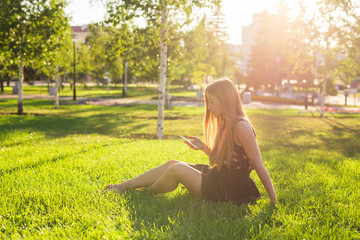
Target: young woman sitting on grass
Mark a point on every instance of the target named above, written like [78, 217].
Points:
[233, 152]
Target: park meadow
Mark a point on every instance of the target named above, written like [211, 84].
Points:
[53, 162]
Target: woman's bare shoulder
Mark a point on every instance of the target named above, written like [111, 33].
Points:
[243, 126]
[242, 122]
[243, 129]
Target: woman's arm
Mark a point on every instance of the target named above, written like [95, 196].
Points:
[245, 135]
[200, 144]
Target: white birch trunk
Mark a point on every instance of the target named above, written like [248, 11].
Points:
[162, 80]
[56, 86]
[167, 94]
[20, 85]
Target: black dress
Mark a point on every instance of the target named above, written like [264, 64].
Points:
[229, 183]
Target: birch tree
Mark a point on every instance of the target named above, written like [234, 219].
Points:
[30, 32]
[151, 11]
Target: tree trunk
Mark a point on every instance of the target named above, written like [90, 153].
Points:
[345, 100]
[56, 86]
[74, 96]
[167, 96]
[20, 85]
[126, 64]
[49, 79]
[306, 97]
[86, 80]
[2, 85]
[63, 81]
[323, 99]
[163, 56]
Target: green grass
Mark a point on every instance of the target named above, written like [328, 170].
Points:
[52, 162]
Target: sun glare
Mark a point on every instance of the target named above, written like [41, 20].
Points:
[240, 13]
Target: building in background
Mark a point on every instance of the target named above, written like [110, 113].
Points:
[249, 34]
[81, 32]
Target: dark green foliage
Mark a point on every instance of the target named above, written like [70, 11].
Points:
[32, 28]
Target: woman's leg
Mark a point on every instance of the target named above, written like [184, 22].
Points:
[175, 174]
[143, 180]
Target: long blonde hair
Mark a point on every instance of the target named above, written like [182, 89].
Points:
[218, 132]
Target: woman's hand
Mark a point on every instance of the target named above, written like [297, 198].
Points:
[200, 144]
[273, 200]
[196, 141]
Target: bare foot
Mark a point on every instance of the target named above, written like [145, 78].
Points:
[114, 188]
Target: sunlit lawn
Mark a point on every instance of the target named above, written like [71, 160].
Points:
[52, 162]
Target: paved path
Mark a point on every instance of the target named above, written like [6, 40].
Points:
[130, 101]
[258, 105]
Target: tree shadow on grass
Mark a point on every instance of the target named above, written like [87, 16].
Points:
[46, 161]
[118, 124]
[115, 121]
[37, 164]
[339, 127]
[342, 138]
[331, 135]
[184, 216]
[62, 127]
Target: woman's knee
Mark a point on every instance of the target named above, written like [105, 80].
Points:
[171, 162]
[174, 170]
[186, 175]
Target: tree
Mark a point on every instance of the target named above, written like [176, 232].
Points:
[152, 11]
[84, 63]
[196, 49]
[144, 53]
[175, 58]
[6, 68]
[206, 54]
[301, 51]
[239, 78]
[106, 48]
[217, 24]
[66, 57]
[97, 41]
[118, 53]
[218, 48]
[31, 31]
[331, 22]
[201, 73]
[348, 67]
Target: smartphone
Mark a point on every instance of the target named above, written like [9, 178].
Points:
[187, 140]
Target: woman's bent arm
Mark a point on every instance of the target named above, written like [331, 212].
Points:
[266, 180]
[246, 137]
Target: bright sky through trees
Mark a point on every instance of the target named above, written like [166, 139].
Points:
[237, 13]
